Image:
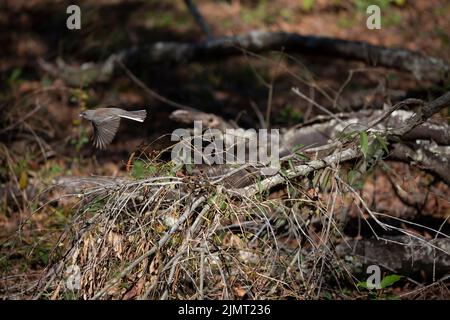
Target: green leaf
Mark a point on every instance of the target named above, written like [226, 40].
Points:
[152, 169]
[42, 255]
[223, 205]
[23, 180]
[15, 75]
[364, 142]
[142, 170]
[308, 5]
[81, 140]
[55, 169]
[400, 3]
[291, 164]
[362, 284]
[325, 179]
[389, 280]
[383, 142]
[302, 156]
[297, 147]
[138, 171]
[348, 135]
[46, 81]
[259, 185]
[327, 296]
[353, 176]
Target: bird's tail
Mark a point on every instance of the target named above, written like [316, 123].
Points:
[138, 115]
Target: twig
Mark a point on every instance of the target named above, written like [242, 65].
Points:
[188, 212]
[151, 93]
[297, 92]
[300, 170]
[198, 18]
[259, 115]
[25, 117]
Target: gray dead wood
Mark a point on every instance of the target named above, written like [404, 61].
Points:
[400, 254]
[423, 67]
[425, 111]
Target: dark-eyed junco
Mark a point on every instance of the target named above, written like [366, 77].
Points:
[106, 122]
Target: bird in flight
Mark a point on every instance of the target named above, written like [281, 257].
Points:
[105, 122]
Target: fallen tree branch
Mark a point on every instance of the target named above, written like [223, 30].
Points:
[427, 157]
[420, 65]
[426, 111]
[319, 132]
[300, 170]
[423, 67]
[423, 114]
[400, 254]
[209, 120]
[437, 132]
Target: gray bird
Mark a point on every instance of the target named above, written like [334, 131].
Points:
[105, 122]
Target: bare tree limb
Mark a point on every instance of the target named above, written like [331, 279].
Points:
[427, 110]
[209, 120]
[428, 157]
[400, 254]
[423, 67]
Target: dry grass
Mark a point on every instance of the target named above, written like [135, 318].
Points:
[170, 236]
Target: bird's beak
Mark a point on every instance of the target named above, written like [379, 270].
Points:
[80, 115]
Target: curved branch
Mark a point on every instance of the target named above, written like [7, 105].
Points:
[426, 111]
[423, 67]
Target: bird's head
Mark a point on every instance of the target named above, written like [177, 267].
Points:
[86, 114]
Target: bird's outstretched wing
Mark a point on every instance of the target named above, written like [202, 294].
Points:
[104, 132]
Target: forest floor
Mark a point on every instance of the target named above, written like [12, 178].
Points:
[42, 137]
